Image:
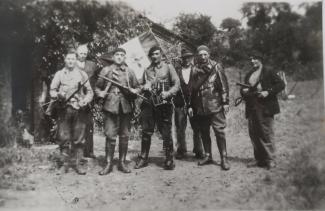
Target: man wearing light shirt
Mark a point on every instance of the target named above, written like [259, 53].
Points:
[72, 117]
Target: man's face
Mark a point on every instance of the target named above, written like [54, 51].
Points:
[255, 62]
[156, 56]
[203, 56]
[119, 57]
[70, 60]
[82, 54]
[187, 60]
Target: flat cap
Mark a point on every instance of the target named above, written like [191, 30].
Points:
[203, 48]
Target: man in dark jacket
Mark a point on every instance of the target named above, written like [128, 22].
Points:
[117, 108]
[210, 103]
[185, 72]
[91, 69]
[160, 78]
[261, 106]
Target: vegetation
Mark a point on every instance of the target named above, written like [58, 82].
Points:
[289, 41]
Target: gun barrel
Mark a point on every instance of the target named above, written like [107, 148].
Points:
[243, 85]
[121, 86]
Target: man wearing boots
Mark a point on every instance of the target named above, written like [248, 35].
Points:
[91, 69]
[210, 102]
[185, 73]
[71, 89]
[161, 83]
[117, 107]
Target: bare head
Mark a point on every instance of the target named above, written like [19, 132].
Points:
[203, 54]
[70, 59]
[82, 52]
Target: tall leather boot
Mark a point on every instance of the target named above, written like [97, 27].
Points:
[79, 156]
[110, 149]
[169, 162]
[223, 154]
[123, 148]
[208, 154]
[145, 148]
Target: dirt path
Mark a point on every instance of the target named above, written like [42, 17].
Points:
[188, 187]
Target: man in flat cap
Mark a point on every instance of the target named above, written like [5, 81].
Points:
[185, 72]
[160, 77]
[91, 69]
[117, 108]
[261, 106]
[210, 103]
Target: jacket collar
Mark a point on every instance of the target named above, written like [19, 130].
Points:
[120, 67]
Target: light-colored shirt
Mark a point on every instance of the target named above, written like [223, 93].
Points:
[67, 82]
[186, 72]
[255, 78]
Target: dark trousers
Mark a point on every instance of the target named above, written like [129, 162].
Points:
[261, 133]
[117, 125]
[89, 135]
[218, 123]
[181, 124]
[71, 127]
[160, 116]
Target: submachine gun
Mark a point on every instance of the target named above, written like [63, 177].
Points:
[126, 90]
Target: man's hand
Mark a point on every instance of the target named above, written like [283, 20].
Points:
[226, 108]
[82, 103]
[61, 96]
[164, 95]
[190, 112]
[147, 87]
[263, 94]
[101, 94]
[245, 90]
[133, 91]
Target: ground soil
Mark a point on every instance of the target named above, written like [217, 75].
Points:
[188, 187]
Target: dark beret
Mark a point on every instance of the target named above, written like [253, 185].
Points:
[153, 49]
[119, 50]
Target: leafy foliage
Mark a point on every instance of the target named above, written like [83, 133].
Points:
[289, 41]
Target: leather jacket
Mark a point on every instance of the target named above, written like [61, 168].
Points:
[210, 90]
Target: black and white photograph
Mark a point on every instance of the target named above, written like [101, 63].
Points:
[165, 105]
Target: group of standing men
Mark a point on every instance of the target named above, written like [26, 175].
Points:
[198, 89]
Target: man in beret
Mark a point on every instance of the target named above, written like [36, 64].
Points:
[117, 108]
[210, 103]
[261, 106]
[163, 77]
[185, 72]
[92, 70]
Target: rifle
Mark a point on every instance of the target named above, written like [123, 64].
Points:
[251, 92]
[53, 103]
[122, 87]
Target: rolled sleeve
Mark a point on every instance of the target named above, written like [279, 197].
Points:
[55, 84]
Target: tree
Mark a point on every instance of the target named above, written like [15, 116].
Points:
[195, 27]
[230, 23]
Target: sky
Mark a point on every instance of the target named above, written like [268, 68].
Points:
[165, 11]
